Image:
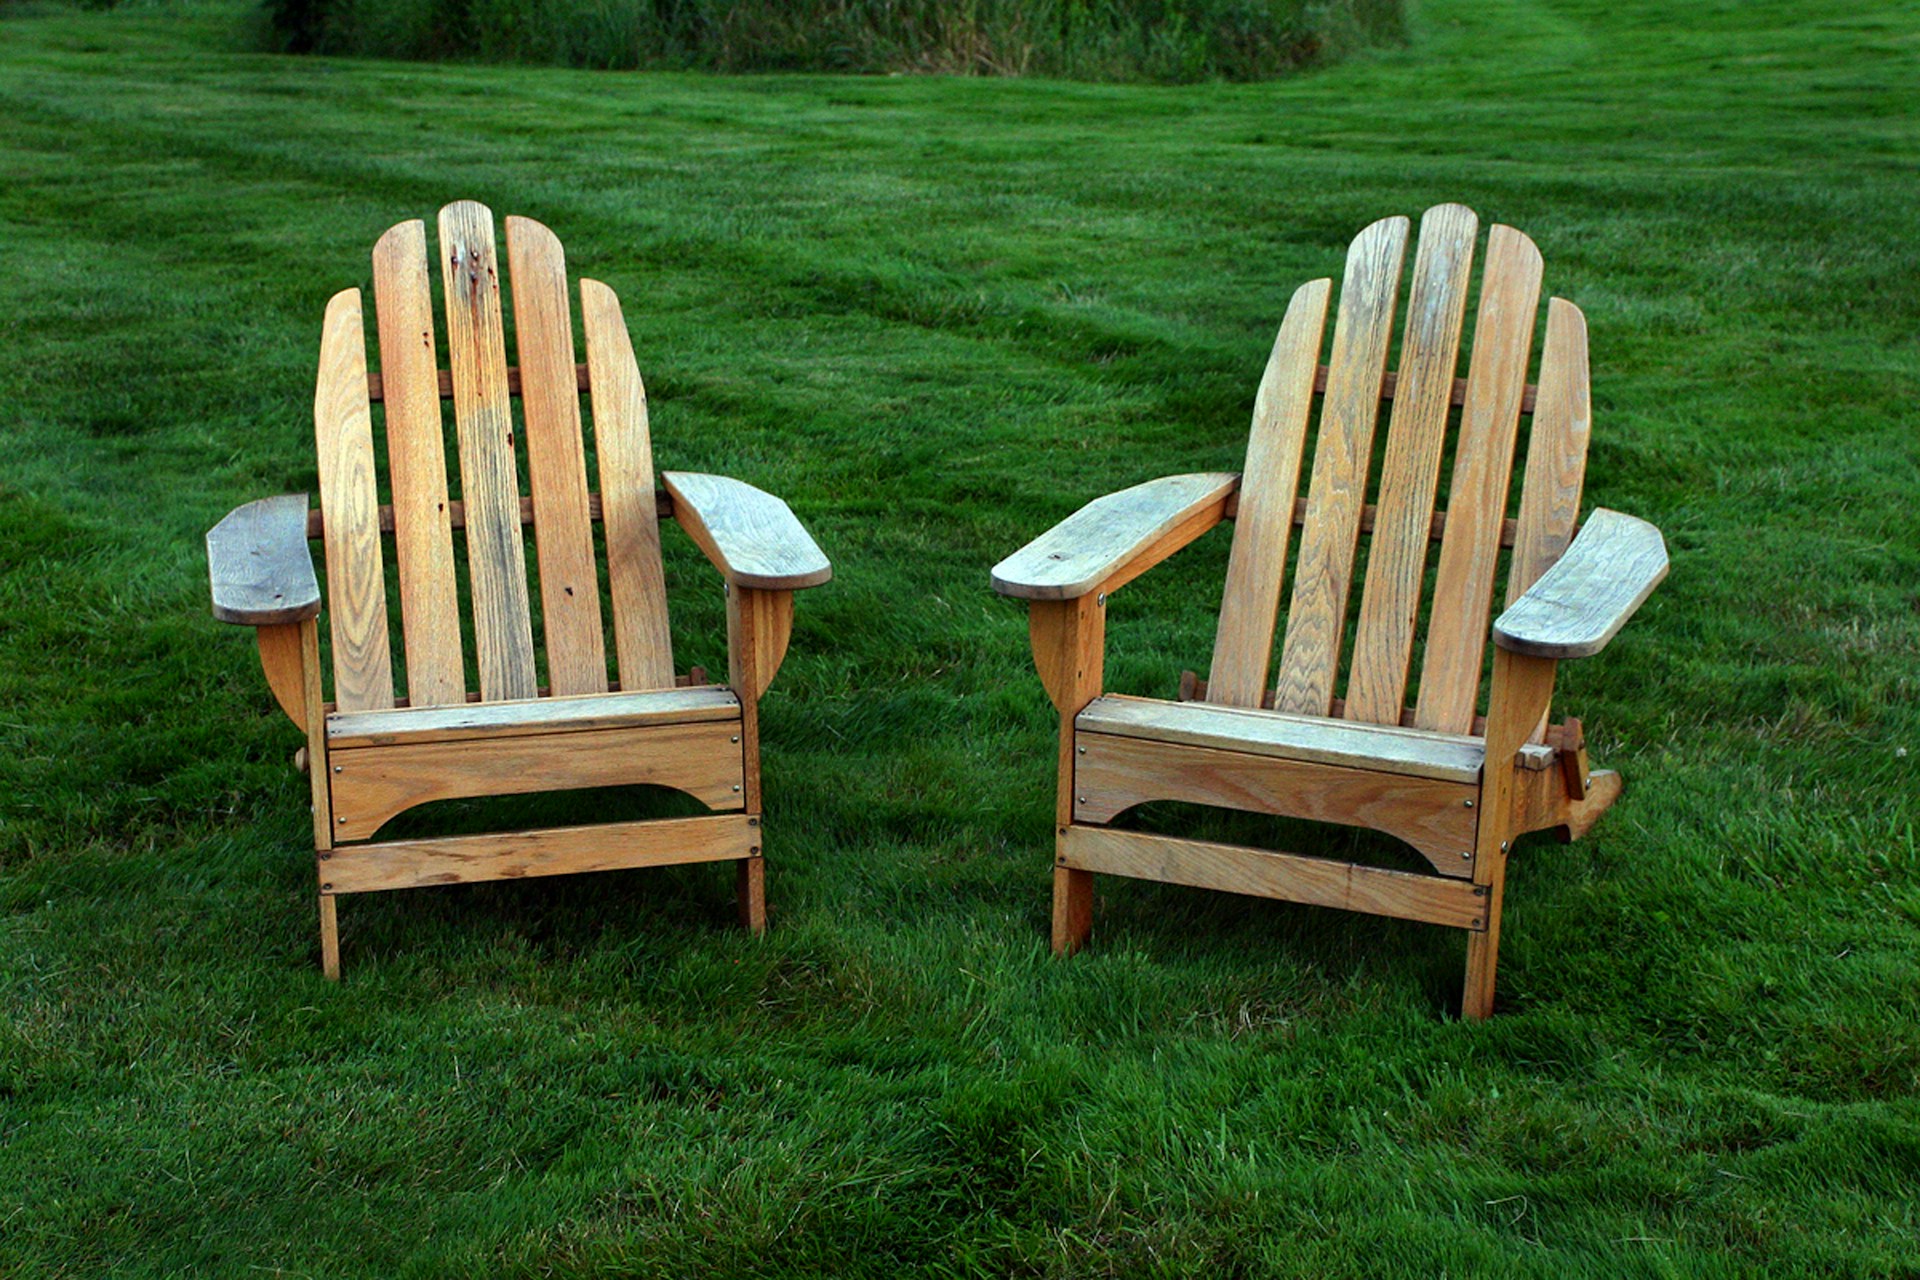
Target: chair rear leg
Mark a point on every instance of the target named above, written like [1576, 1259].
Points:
[751, 887]
[329, 938]
[1072, 909]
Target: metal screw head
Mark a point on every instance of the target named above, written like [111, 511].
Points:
[1503, 846]
[734, 738]
[1081, 750]
[1466, 853]
[1082, 799]
[736, 786]
[339, 768]
[1467, 803]
[1101, 600]
[343, 822]
[326, 887]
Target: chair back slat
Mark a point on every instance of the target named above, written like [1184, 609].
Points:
[1482, 470]
[1556, 451]
[635, 579]
[417, 470]
[476, 350]
[1410, 469]
[1257, 565]
[1316, 616]
[356, 579]
[556, 460]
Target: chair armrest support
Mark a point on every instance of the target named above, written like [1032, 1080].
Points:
[1114, 539]
[1579, 604]
[260, 566]
[751, 536]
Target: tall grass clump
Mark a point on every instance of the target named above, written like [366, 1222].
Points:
[1124, 40]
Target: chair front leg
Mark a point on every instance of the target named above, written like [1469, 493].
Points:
[1522, 692]
[759, 624]
[1069, 649]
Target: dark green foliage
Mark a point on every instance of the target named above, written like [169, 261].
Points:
[936, 315]
[1126, 40]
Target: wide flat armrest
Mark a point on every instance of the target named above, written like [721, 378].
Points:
[260, 564]
[751, 536]
[1102, 539]
[1590, 592]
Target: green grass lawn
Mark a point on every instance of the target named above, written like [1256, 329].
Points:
[936, 315]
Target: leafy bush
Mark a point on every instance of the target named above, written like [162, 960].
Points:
[1163, 40]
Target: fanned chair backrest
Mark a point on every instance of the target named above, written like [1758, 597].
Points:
[491, 511]
[1402, 521]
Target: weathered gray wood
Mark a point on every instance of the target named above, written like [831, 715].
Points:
[1583, 601]
[1413, 753]
[752, 537]
[1097, 541]
[260, 565]
[536, 716]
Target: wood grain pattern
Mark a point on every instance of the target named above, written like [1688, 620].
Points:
[751, 536]
[1113, 774]
[1556, 451]
[1482, 470]
[520, 855]
[1316, 617]
[759, 624]
[280, 658]
[538, 716]
[377, 387]
[259, 565]
[1581, 603]
[1285, 876]
[489, 475]
[356, 575]
[556, 460]
[1410, 470]
[457, 513]
[638, 585]
[1386, 748]
[417, 468]
[1257, 564]
[372, 784]
[1088, 549]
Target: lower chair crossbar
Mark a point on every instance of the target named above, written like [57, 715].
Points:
[1319, 882]
[413, 864]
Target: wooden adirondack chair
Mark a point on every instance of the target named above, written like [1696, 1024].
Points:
[1456, 786]
[372, 754]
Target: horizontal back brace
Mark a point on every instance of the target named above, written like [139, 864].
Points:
[457, 513]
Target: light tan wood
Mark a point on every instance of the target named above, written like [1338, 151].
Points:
[556, 460]
[1093, 549]
[750, 889]
[377, 387]
[259, 567]
[634, 576]
[1438, 819]
[280, 658]
[1482, 469]
[1581, 603]
[457, 513]
[1069, 649]
[1316, 617]
[751, 536]
[1414, 753]
[1389, 386]
[1556, 451]
[372, 784]
[1522, 692]
[417, 468]
[1410, 469]
[540, 715]
[489, 476]
[520, 855]
[759, 624]
[356, 577]
[329, 939]
[316, 728]
[1257, 564]
[1288, 877]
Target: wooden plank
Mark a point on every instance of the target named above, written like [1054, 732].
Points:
[496, 557]
[1410, 471]
[259, 565]
[1069, 650]
[279, 647]
[1385, 748]
[356, 576]
[1257, 565]
[752, 537]
[1288, 877]
[541, 715]
[457, 513]
[372, 784]
[1316, 617]
[1438, 818]
[1389, 387]
[417, 467]
[1581, 603]
[1099, 541]
[1556, 451]
[556, 460]
[639, 589]
[519, 855]
[377, 388]
[1482, 468]
[759, 624]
